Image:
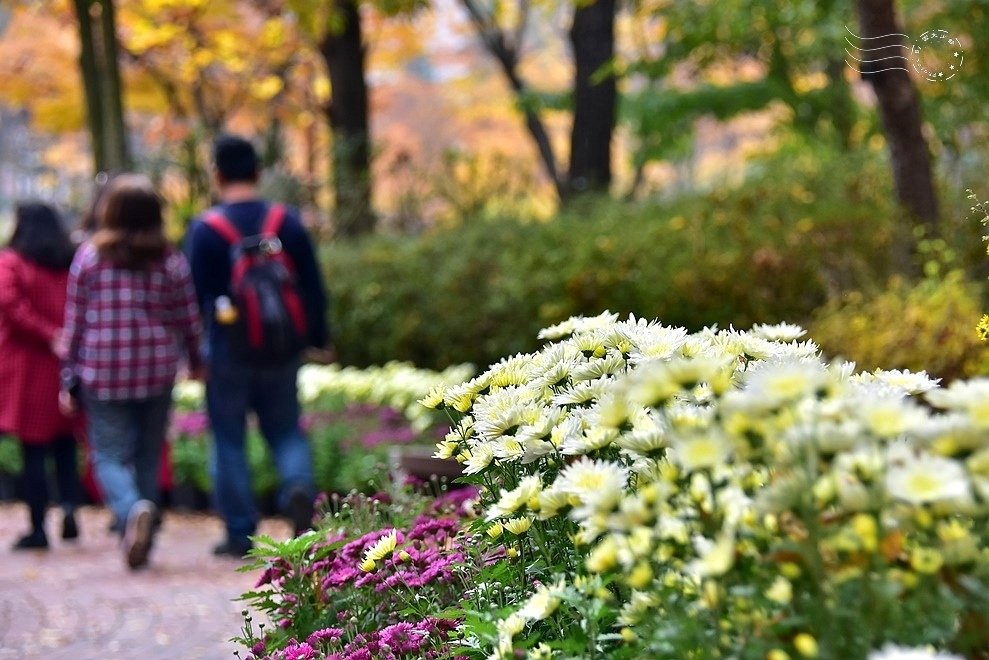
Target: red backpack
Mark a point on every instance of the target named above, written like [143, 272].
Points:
[270, 325]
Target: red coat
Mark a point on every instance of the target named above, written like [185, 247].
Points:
[32, 305]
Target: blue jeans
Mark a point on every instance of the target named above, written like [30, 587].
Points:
[126, 438]
[232, 390]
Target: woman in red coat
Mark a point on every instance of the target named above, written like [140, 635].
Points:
[34, 270]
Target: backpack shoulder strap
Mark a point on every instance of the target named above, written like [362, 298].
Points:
[272, 223]
[222, 226]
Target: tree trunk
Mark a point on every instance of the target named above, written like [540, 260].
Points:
[899, 110]
[117, 153]
[100, 68]
[343, 51]
[592, 35]
[91, 83]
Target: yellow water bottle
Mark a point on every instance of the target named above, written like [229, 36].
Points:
[226, 313]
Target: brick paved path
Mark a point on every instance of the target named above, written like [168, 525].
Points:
[78, 601]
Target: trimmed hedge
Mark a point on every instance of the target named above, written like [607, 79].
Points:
[772, 250]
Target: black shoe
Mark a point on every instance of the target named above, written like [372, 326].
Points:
[300, 512]
[138, 533]
[231, 548]
[32, 541]
[70, 530]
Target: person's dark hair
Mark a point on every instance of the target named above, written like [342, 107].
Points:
[40, 237]
[130, 229]
[236, 159]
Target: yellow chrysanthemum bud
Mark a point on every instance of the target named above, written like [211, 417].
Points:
[512, 553]
[628, 635]
[777, 654]
[806, 645]
[923, 518]
[495, 530]
[926, 560]
[640, 576]
[781, 591]
[866, 529]
[404, 555]
[790, 570]
[367, 565]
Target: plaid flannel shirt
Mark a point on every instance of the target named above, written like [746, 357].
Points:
[127, 330]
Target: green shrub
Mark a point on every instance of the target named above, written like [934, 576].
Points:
[926, 326]
[11, 459]
[774, 249]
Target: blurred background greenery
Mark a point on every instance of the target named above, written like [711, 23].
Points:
[478, 169]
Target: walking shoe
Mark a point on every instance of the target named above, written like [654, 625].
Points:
[300, 511]
[137, 533]
[70, 530]
[33, 541]
[230, 548]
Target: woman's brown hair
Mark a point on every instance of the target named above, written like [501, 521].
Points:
[130, 230]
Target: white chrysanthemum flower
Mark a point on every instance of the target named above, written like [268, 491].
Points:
[480, 457]
[552, 501]
[658, 343]
[595, 368]
[778, 332]
[951, 433]
[600, 483]
[714, 558]
[645, 442]
[577, 324]
[894, 652]
[888, 417]
[507, 448]
[701, 450]
[777, 382]
[511, 501]
[461, 397]
[513, 371]
[555, 367]
[908, 381]
[434, 399]
[970, 397]
[540, 424]
[593, 439]
[927, 479]
[446, 449]
[583, 393]
[640, 603]
[543, 603]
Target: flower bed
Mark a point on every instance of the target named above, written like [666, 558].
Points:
[647, 492]
[352, 417]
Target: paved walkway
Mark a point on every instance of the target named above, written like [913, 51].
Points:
[78, 601]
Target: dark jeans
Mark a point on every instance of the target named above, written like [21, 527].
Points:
[34, 479]
[126, 437]
[232, 390]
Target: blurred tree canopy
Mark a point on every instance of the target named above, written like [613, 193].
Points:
[606, 91]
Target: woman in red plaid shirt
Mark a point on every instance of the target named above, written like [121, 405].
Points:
[130, 319]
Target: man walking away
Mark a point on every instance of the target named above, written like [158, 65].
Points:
[262, 296]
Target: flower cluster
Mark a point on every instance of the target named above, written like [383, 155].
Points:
[727, 490]
[357, 597]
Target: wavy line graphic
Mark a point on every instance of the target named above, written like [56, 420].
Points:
[876, 60]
